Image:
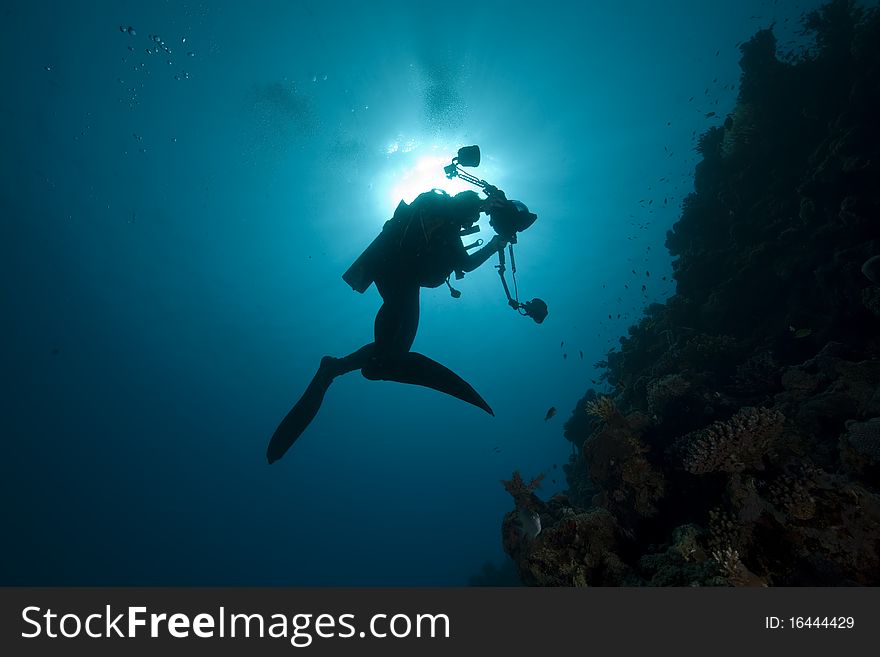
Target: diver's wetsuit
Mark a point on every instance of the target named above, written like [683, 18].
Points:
[394, 329]
[388, 357]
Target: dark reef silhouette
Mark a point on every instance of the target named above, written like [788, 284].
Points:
[739, 443]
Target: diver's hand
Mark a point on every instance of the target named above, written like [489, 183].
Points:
[497, 204]
[495, 197]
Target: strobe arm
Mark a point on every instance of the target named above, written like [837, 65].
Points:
[502, 267]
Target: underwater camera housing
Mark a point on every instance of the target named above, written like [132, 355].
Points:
[510, 218]
[507, 218]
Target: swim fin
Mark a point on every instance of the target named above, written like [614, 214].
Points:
[302, 414]
[420, 370]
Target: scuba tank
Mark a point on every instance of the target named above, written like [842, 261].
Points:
[362, 272]
[401, 237]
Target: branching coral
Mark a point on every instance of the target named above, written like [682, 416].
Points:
[603, 408]
[735, 445]
[725, 531]
[662, 391]
[792, 495]
[522, 491]
[616, 463]
[577, 550]
[733, 570]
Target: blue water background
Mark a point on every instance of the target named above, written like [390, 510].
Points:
[174, 230]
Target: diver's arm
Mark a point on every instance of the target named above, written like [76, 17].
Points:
[474, 260]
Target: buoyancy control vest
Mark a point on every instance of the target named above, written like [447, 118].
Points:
[421, 240]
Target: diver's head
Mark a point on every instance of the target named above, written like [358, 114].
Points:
[468, 205]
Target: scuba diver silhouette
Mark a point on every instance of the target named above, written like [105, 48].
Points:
[420, 246]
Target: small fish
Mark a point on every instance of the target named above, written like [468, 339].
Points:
[802, 333]
[644, 288]
[561, 343]
[710, 115]
[550, 413]
[564, 356]
[582, 354]
[496, 449]
[648, 274]
[530, 521]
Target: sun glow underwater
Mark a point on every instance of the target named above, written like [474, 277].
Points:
[414, 169]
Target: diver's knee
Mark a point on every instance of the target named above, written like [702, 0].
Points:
[374, 368]
[371, 372]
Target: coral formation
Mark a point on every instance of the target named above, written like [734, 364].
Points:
[523, 493]
[734, 445]
[738, 440]
[603, 408]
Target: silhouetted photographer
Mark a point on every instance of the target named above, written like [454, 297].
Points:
[420, 246]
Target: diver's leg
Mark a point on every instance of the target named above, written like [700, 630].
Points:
[398, 319]
[395, 330]
[303, 412]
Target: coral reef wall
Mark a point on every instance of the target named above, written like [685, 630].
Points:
[740, 442]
